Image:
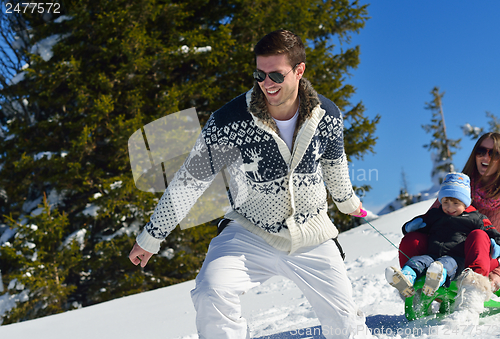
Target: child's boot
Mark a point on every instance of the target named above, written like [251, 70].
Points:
[434, 278]
[402, 279]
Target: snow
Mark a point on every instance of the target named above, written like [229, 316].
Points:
[20, 106]
[48, 155]
[275, 310]
[396, 204]
[133, 228]
[6, 235]
[40, 155]
[469, 130]
[34, 207]
[116, 184]
[17, 78]
[185, 49]
[91, 210]
[78, 236]
[63, 18]
[44, 46]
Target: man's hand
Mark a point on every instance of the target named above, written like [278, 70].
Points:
[357, 212]
[138, 255]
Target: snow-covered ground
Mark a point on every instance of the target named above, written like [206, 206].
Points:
[275, 310]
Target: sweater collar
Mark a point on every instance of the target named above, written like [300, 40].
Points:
[308, 100]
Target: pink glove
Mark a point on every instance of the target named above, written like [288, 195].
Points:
[362, 215]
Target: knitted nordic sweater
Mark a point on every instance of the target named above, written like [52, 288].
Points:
[274, 193]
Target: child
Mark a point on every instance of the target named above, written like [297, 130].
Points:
[448, 227]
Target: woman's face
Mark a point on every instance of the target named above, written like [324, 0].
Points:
[487, 166]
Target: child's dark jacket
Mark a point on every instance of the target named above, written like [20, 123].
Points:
[447, 233]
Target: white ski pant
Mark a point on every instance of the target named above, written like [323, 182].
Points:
[237, 260]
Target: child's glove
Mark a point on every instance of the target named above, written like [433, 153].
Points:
[414, 225]
[495, 249]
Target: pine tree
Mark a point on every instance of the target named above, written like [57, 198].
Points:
[475, 132]
[114, 67]
[440, 143]
[405, 198]
[404, 195]
[43, 262]
[493, 123]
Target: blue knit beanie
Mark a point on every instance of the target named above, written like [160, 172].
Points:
[456, 185]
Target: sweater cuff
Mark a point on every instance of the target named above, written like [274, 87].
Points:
[348, 206]
[148, 243]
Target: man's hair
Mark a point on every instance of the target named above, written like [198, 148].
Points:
[282, 42]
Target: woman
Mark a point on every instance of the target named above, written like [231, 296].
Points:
[483, 169]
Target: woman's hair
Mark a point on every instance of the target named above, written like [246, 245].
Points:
[492, 185]
[282, 42]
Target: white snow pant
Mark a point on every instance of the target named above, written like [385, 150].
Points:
[237, 260]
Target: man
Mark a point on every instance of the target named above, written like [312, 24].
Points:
[281, 142]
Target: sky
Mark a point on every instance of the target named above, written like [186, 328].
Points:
[407, 49]
[277, 309]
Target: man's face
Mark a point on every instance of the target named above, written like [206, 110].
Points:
[283, 94]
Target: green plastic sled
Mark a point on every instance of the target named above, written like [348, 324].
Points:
[420, 305]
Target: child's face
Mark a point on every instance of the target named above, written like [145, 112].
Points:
[452, 207]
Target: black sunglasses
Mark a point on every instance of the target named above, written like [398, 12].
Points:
[482, 151]
[274, 76]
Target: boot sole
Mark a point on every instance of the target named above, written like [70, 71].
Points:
[432, 279]
[401, 283]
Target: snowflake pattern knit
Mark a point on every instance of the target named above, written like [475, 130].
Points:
[275, 193]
